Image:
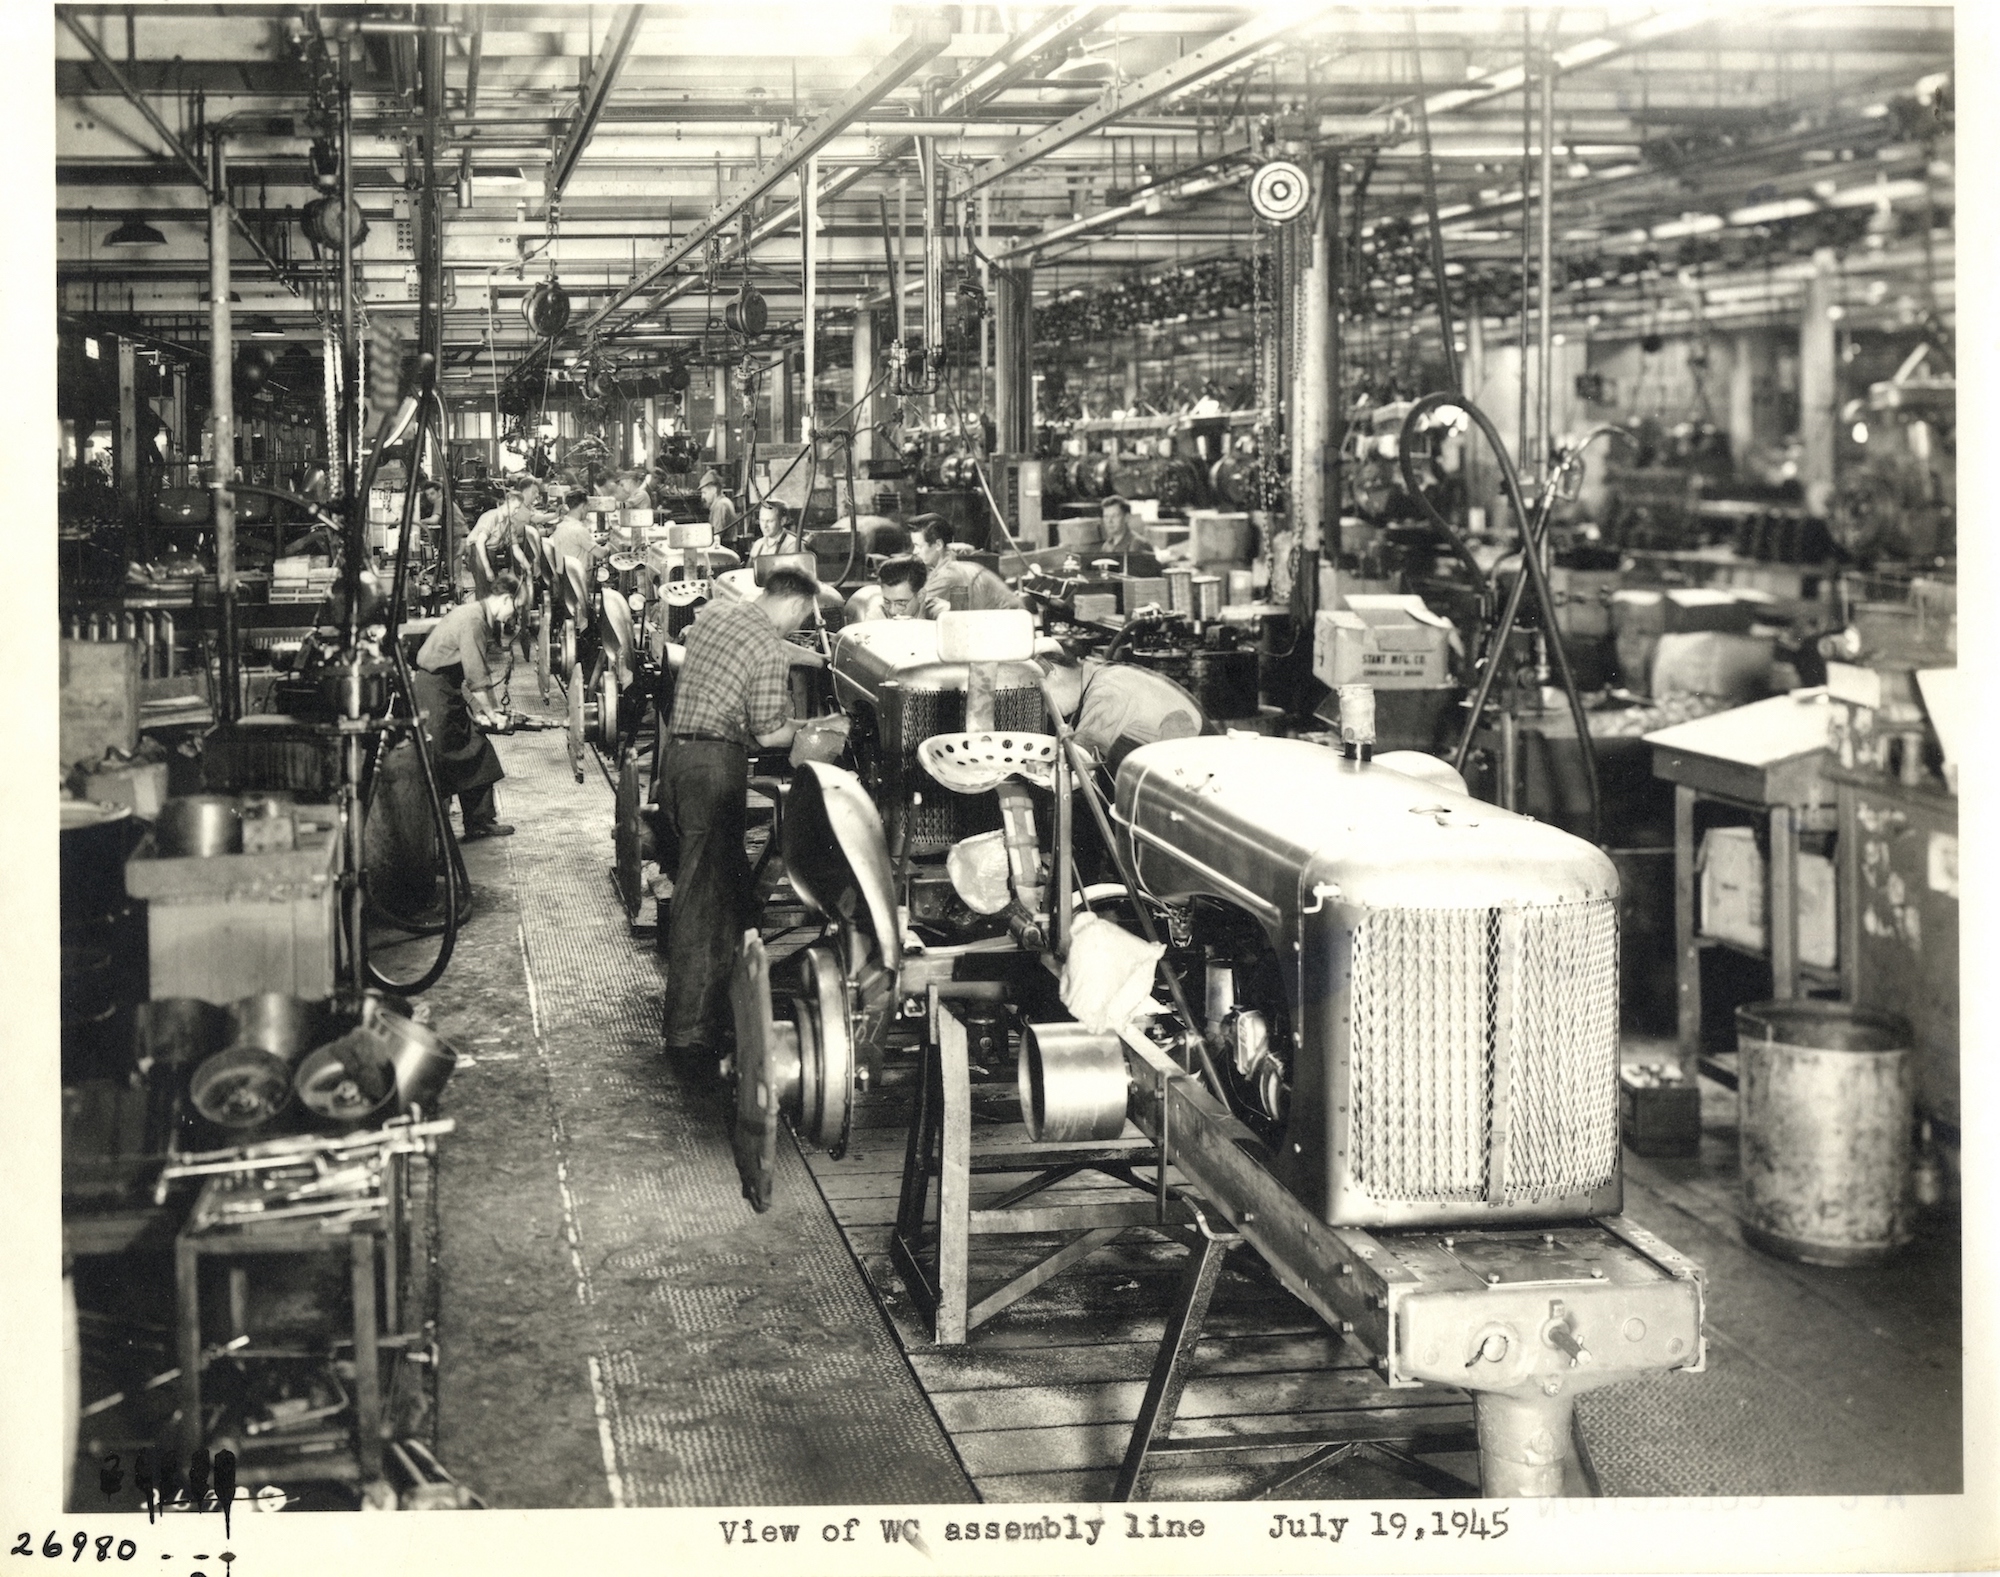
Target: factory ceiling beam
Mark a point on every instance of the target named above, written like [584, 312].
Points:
[1574, 57]
[1012, 62]
[1193, 68]
[596, 91]
[177, 149]
[903, 62]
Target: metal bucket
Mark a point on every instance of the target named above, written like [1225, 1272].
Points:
[286, 1026]
[1826, 1092]
[177, 1033]
[199, 825]
[423, 1059]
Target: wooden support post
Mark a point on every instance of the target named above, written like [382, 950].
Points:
[1782, 899]
[367, 1368]
[1687, 950]
[187, 1290]
[940, 1145]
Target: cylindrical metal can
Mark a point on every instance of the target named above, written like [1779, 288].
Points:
[1208, 598]
[1074, 1087]
[1180, 590]
[1825, 1123]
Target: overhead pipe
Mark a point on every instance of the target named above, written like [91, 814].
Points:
[931, 34]
[1190, 70]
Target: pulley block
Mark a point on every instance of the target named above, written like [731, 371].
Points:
[1279, 191]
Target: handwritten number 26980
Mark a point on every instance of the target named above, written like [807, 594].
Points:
[52, 1547]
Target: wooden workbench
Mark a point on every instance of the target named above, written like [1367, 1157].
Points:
[1771, 759]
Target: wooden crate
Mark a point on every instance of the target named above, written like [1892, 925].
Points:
[100, 699]
[231, 925]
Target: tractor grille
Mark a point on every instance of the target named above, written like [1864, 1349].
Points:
[944, 817]
[1442, 1008]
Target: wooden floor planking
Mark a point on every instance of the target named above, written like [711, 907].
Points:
[1040, 1403]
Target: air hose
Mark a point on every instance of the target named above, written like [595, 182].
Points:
[1533, 532]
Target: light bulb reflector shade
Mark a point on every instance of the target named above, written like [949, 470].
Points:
[134, 232]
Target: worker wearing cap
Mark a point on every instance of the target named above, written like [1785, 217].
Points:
[731, 698]
[460, 681]
[954, 582]
[897, 592]
[721, 513]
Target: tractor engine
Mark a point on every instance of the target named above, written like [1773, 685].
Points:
[889, 679]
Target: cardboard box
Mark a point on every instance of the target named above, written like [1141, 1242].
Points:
[1218, 537]
[1393, 643]
[1734, 903]
[1659, 1112]
[1678, 612]
[99, 699]
[140, 786]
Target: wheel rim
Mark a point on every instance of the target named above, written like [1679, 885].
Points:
[827, 1093]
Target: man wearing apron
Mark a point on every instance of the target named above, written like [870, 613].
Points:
[459, 680]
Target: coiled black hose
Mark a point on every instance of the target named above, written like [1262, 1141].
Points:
[455, 861]
[1533, 530]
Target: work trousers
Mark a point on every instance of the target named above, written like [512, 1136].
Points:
[702, 791]
[466, 763]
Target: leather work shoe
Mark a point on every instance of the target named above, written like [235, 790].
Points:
[487, 829]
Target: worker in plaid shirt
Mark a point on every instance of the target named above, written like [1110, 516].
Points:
[731, 698]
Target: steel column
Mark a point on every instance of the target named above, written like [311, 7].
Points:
[1013, 371]
[864, 375]
[809, 311]
[1545, 326]
[221, 373]
[128, 426]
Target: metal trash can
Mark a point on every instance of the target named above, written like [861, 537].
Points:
[1826, 1092]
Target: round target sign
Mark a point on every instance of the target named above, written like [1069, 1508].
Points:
[1279, 191]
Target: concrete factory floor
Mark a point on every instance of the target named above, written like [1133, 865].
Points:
[619, 1329]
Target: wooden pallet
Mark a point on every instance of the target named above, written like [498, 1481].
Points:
[1040, 1405]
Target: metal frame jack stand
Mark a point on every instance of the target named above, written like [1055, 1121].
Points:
[1209, 1248]
[935, 1267]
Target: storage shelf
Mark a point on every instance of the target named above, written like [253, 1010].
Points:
[1820, 974]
